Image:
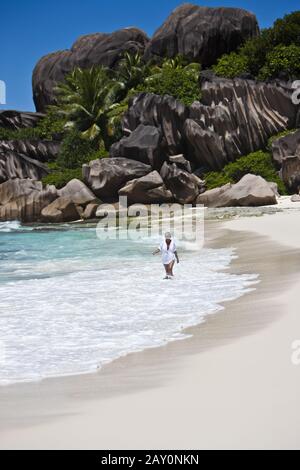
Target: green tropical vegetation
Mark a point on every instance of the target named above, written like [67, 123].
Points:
[173, 78]
[258, 163]
[59, 177]
[85, 99]
[50, 127]
[274, 52]
[74, 152]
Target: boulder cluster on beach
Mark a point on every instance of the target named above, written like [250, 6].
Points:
[164, 144]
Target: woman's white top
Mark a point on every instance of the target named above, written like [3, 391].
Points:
[168, 255]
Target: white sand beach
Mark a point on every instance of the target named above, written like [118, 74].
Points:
[231, 385]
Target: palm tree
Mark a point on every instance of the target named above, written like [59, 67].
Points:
[131, 70]
[177, 63]
[86, 98]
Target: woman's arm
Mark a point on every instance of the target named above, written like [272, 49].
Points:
[176, 256]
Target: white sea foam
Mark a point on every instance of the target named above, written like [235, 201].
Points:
[69, 305]
[10, 226]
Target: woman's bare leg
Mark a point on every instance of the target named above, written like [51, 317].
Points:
[171, 266]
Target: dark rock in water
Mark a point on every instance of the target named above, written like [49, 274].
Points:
[89, 50]
[286, 146]
[202, 34]
[290, 173]
[41, 150]
[143, 145]
[149, 189]
[183, 185]
[62, 209]
[15, 120]
[107, 176]
[24, 199]
[16, 165]
[78, 192]
[251, 190]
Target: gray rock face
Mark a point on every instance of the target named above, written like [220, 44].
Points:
[181, 162]
[62, 209]
[162, 112]
[23, 158]
[251, 190]
[41, 150]
[235, 118]
[93, 49]
[14, 165]
[290, 173]
[285, 147]
[78, 193]
[90, 211]
[183, 185]
[107, 176]
[154, 129]
[24, 199]
[14, 120]
[149, 189]
[274, 188]
[206, 146]
[142, 145]
[202, 34]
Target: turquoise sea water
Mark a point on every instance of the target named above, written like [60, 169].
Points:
[70, 303]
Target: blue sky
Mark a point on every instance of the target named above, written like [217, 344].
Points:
[33, 28]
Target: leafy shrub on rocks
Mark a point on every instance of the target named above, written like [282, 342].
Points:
[282, 60]
[50, 127]
[258, 163]
[231, 65]
[75, 151]
[273, 52]
[179, 82]
[59, 177]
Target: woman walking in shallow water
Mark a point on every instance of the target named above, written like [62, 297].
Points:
[169, 254]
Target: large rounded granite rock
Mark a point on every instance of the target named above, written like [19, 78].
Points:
[107, 176]
[77, 192]
[251, 190]
[149, 189]
[62, 209]
[290, 173]
[202, 34]
[143, 145]
[286, 146]
[184, 186]
[24, 199]
[89, 50]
